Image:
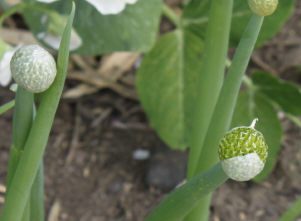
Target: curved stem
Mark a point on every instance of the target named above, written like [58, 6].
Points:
[11, 11]
[177, 204]
[21, 6]
[294, 119]
[293, 212]
[171, 15]
[7, 106]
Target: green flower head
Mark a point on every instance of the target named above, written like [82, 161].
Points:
[243, 152]
[263, 7]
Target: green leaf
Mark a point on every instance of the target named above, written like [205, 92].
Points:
[285, 94]
[134, 29]
[182, 200]
[250, 106]
[166, 85]
[7, 106]
[293, 212]
[195, 17]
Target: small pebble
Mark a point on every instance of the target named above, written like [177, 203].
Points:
[141, 154]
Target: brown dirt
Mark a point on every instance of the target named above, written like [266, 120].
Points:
[90, 173]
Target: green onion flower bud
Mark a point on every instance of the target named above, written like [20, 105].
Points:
[243, 152]
[33, 68]
[263, 7]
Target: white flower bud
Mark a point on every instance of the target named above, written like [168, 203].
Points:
[243, 153]
[263, 7]
[33, 68]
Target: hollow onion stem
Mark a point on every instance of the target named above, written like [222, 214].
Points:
[211, 76]
[171, 15]
[209, 84]
[226, 103]
[37, 139]
[22, 120]
[177, 204]
[293, 212]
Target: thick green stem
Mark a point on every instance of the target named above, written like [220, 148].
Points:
[294, 119]
[171, 15]
[293, 212]
[22, 121]
[7, 106]
[37, 210]
[23, 117]
[226, 103]
[225, 107]
[26, 213]
[201, 211]
[211, 76]
[35, 145]
[177, 204]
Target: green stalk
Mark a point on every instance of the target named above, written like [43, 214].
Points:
[211, 76]
[177, 204]
[11, 11]
[35, 145]
[26, 213]
[225, 107]
[294, 119]
[226, 103]
[37, 205]
[171, 15]
[7, 106]
[22, 120]
[21, 6]
[293, 212]
[37, 210]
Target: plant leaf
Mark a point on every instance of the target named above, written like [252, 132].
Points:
[134, 29]
[182, 200]
[250, 106]
[166, 85]
[283, 93]
[195, 17]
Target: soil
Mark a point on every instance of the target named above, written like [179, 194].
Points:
[91, 174]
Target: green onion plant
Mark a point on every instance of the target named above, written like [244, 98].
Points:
[35, 71]
[186, 84]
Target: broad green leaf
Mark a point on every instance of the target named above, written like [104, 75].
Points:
[166, 85]
[285, 94]
[134, 29]
[195, 17]
[250, 106]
